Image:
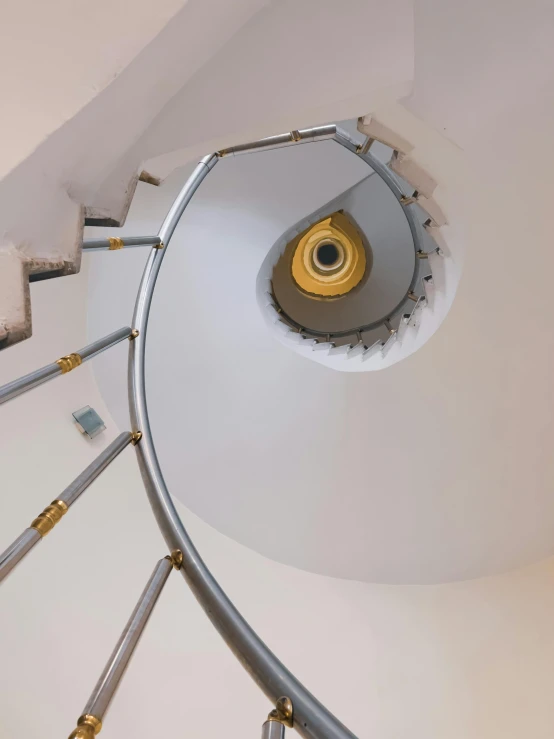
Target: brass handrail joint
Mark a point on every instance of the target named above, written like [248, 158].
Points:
[87, 727]
[49, 517]
[283, 712]
[69, 362]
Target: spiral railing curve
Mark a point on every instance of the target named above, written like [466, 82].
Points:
[311, 719]
[294, 705]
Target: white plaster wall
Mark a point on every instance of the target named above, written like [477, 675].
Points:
[469, 659]
[98, 104]
[56, 57]
[296, 63]
[86, 106]
[480, 66]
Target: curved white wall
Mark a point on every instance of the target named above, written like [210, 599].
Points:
[411, 471]
[468, 659]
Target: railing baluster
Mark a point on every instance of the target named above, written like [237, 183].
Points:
[113, 243]
[53, 513]
[90, 722]
[273, 730]
[63, 365]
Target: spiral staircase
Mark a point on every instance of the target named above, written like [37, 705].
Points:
[453, 181]
[295, 707]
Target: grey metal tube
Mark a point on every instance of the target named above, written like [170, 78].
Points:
[24, 543]
[311, 719]
[392, 182]
[273, 730]
[106, 686]
[16, 551]
[345, 139]
[106, 244]
[12, 389]
[304, 136]
[95, 468]
[17, 387]
[106, 342]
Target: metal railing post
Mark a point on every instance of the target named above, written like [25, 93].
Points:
[63, 365]
[46, 521]
[273, 730]
[90, 722]
[113, 243]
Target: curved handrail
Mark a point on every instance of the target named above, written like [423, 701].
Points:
[391, 181]
[311, 719]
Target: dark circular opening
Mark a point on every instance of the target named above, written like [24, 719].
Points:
[327, 254]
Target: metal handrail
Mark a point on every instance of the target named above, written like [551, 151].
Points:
[416, 230]
[52, 514]
[311, 719]
[329, 336]
[294, 705]
[333, 133]
[61, 366]
[114, 243]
